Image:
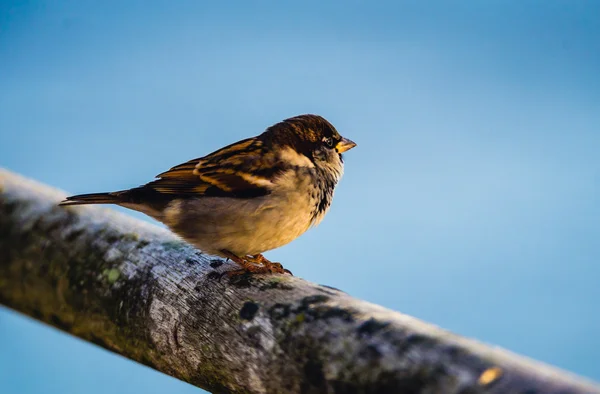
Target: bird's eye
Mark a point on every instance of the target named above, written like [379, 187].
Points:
[328, 141]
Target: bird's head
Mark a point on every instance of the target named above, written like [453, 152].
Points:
[312, 136]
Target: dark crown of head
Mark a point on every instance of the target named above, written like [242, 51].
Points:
[303, 128]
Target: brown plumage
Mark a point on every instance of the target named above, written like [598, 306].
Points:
[294, 164]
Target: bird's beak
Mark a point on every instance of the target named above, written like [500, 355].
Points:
[344, 145]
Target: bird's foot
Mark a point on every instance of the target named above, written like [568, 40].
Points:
[275, 268]
[256, 264]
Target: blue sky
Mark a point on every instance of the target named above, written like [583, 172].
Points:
[472, 198]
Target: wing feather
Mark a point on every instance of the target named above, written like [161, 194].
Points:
[243, 169]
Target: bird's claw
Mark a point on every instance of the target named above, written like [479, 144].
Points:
[257, 264]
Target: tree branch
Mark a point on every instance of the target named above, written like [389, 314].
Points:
[137, 290]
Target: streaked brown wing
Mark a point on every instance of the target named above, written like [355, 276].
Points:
[243, 169]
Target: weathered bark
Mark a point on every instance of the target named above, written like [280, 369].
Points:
[137, 290]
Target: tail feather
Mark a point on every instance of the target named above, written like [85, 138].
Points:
[93, 198]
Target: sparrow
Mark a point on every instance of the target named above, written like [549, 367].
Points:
[247, 198]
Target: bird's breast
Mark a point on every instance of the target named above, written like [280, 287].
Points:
[248, 226]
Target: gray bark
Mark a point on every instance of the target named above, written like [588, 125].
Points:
[137, 290]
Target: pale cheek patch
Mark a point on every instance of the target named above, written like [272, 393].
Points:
[294, 158]
[333, 165]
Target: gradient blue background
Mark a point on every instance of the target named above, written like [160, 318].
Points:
[472, 200]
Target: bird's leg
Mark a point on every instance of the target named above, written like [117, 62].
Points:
[273, 267]
[254, 264]
[247, 266]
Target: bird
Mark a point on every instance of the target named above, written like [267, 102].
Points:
[246, 198]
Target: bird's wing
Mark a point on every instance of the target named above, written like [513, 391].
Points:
[244, 169]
